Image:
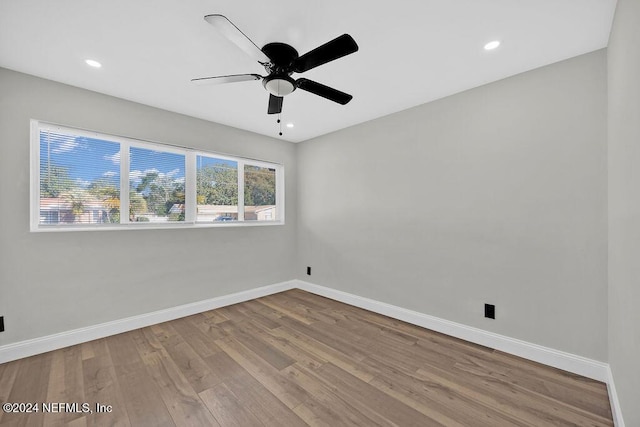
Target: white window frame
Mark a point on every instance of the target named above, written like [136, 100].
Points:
[190, 184]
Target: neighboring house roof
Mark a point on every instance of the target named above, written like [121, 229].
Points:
[212, 209]
[258, 208]
[216, 209]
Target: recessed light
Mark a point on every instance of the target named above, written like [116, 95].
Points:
[289, 125]
[93, 63]
[492, 45]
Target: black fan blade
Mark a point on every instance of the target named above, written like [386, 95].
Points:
[275, 104]
[226, 79]
[323, 91]
[233, 33]
[336, 48]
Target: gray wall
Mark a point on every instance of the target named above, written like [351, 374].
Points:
[496, 195]
[53, 282]
[624, 207]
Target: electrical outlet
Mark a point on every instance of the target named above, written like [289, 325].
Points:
[490, 311]
[1, 323]
[308, 271]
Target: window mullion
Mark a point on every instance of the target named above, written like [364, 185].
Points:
[35, 175]
[280, 194]
[125, 161]
[190, 196]
[240, 190]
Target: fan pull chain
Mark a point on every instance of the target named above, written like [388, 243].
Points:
[280, 125]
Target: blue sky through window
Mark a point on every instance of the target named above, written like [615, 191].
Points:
[89, 159]
[204, 161]
[144, 161]
[85, 159]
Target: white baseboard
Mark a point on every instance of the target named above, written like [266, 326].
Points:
[548, 356]
[616, 410]
[35, 346]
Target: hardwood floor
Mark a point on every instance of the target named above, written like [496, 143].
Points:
[295, 359]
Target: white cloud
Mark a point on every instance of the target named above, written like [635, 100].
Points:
[115, 159]
[136, 175]
[63, 144]
[109, 174]
[82, 183]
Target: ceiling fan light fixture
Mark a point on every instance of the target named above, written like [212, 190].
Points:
[279, 85]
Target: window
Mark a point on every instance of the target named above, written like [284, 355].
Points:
[78, 182]
[77, 178]
[216, 189]
[259, 193]
[156, 185]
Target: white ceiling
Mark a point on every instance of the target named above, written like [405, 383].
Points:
[411, 51]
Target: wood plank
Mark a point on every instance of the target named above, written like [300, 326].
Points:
[66, 384]
[296, 359]
[232, 313]
[253, 395]
[255, 315]
[227, 408]
[215, 316]
[324, 352]
[323, 406]
[513, 402]
[272, 338]
[285, 311]
[562, 390]
[355, 391]
[343, 342]
[180, 398]
[443, 404]
[190, 362]
[438, 359]
[101, 387]
[30, 386]
[8, 373]
[201, 342]
[87, 351]
[142, 399]
[287, 392]
[266, 311]
[78, 422]
[246, 334]
[292, 304]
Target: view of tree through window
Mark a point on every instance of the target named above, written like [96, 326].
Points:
[156, 186]
[79, 180]
[79, 177]
[259, 193]
[216, 189]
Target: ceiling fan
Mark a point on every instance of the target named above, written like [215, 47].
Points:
[280, 61]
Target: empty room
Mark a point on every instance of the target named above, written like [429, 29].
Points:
[339, 214]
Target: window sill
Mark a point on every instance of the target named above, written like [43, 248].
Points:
[152, 226]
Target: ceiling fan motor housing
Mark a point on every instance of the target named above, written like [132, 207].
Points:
[282, 56]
